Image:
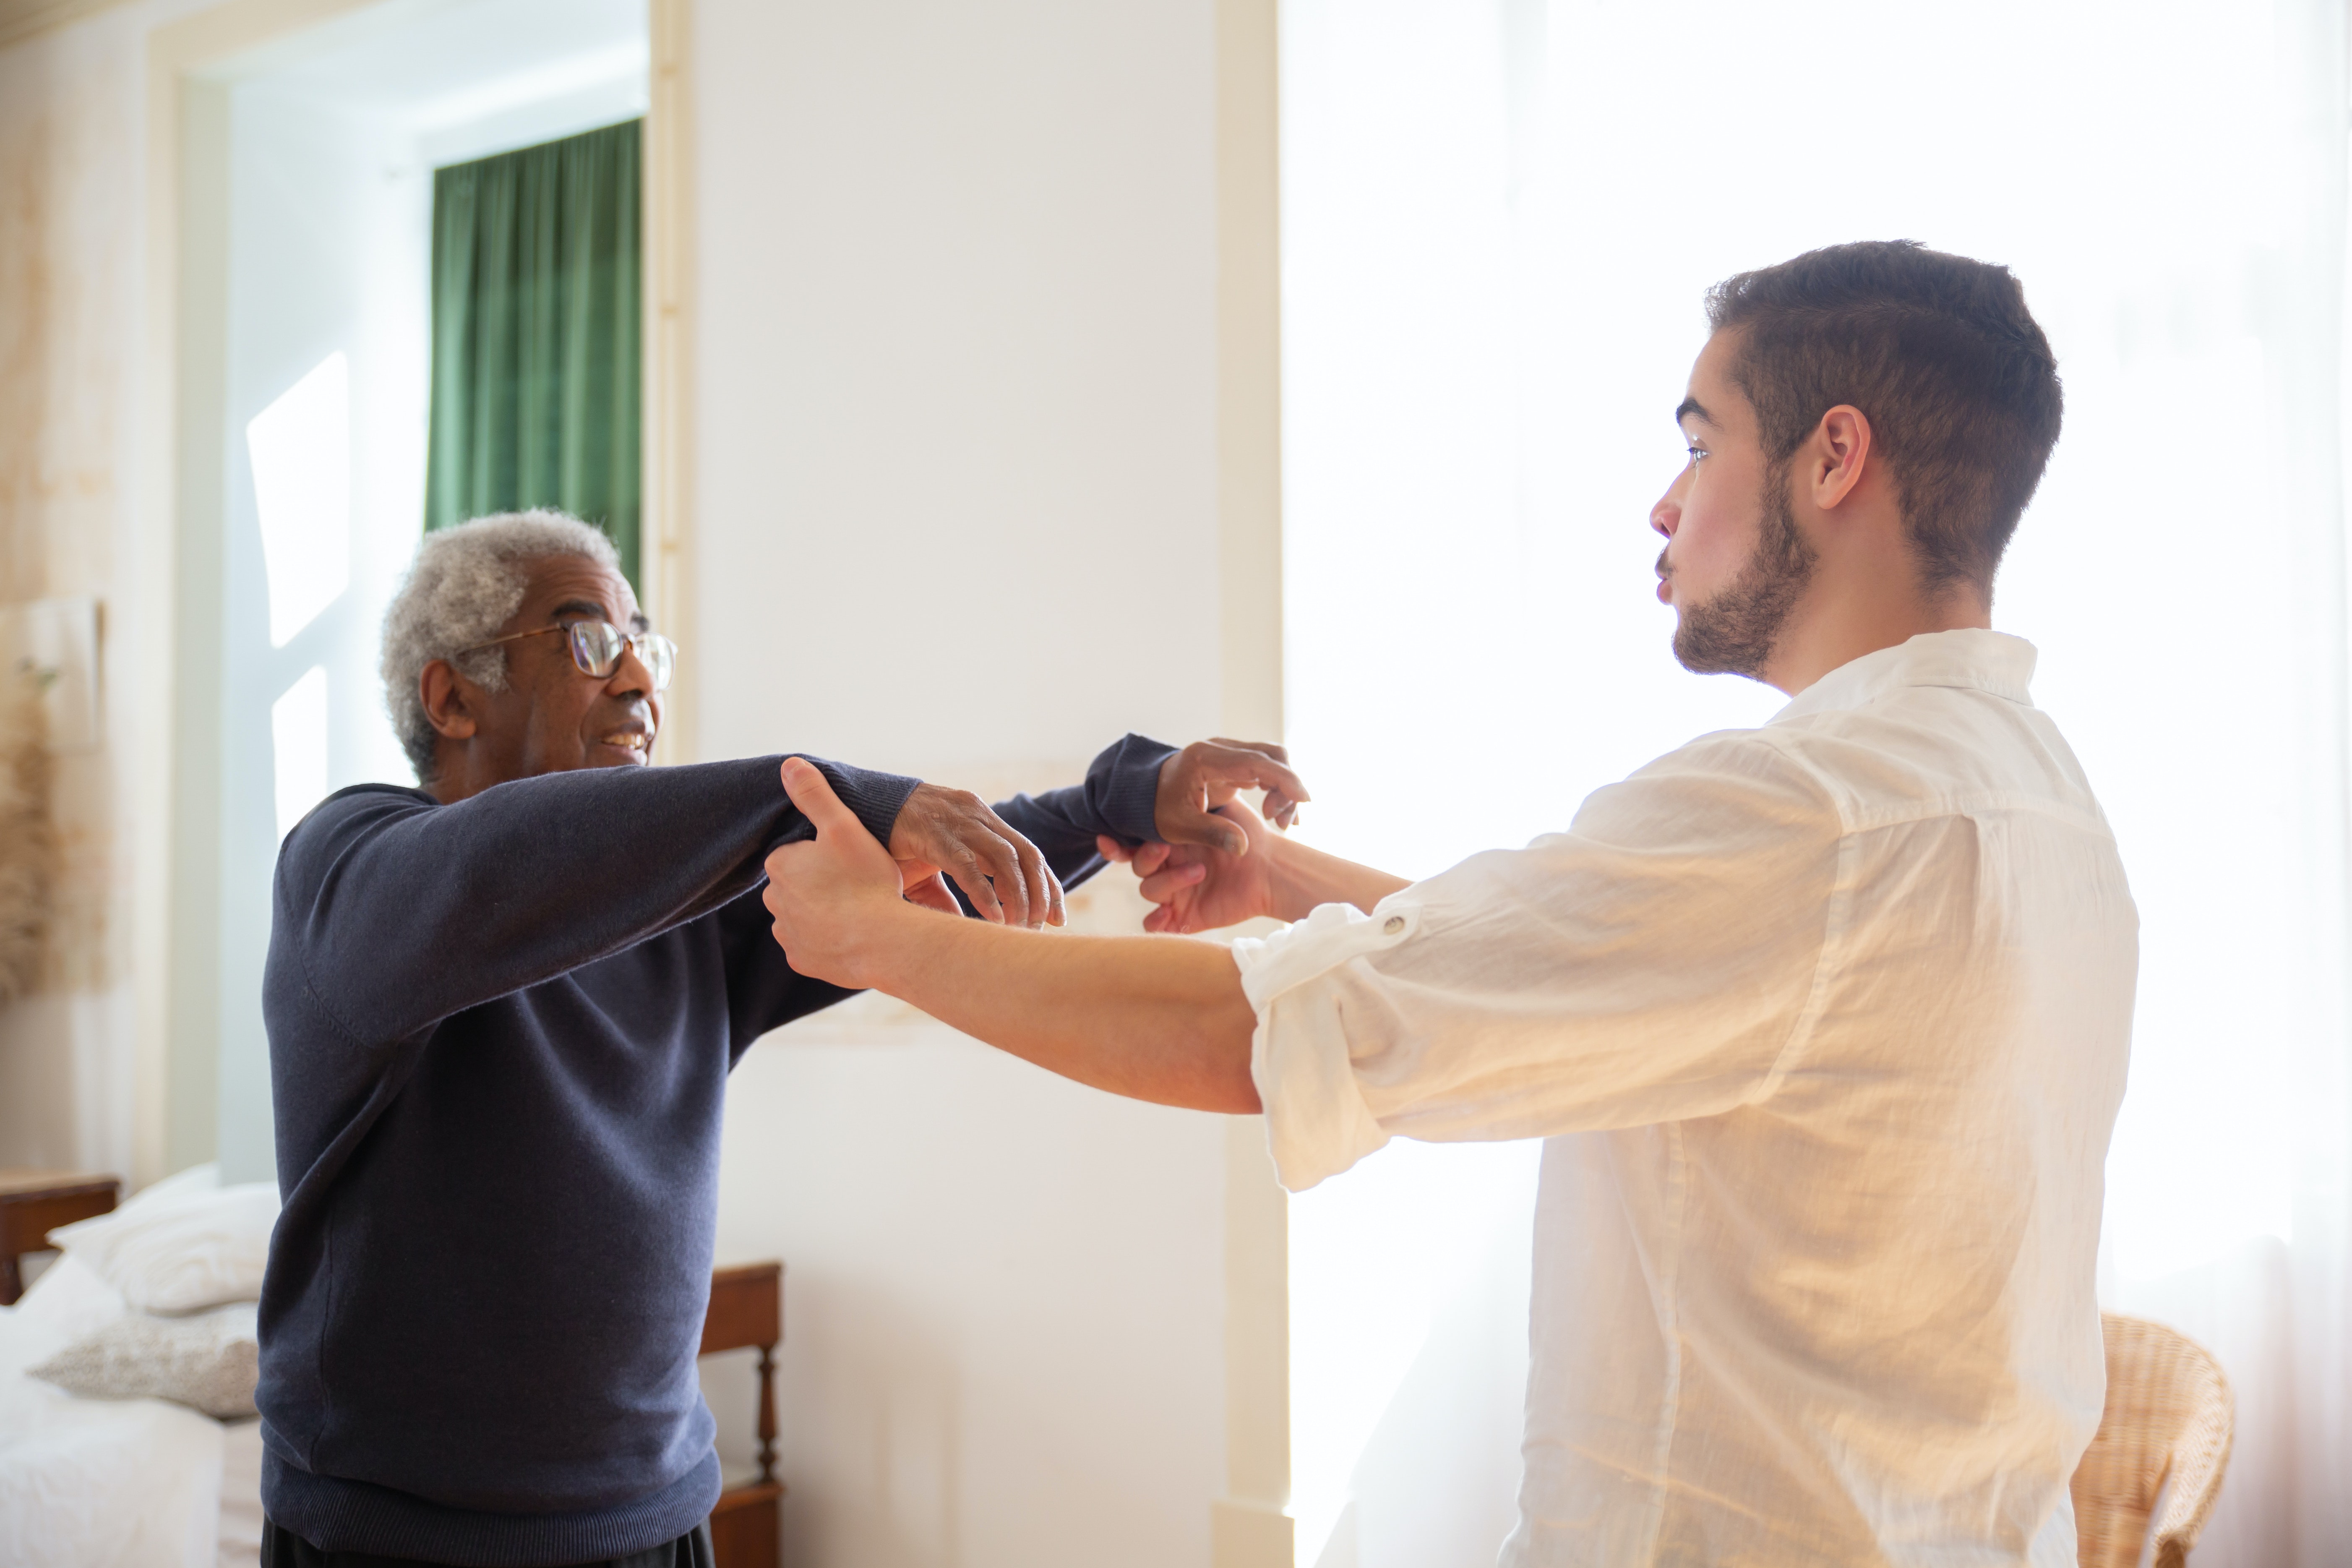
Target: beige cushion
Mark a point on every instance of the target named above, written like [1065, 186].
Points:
[208, 1361]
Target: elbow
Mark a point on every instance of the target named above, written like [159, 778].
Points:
[1235, 1093]
[1231, 1087]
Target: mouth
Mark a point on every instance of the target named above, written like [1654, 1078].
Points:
[635, 746]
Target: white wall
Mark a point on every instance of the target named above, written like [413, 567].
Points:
[955, 407]
[956, 516]
[70, 123]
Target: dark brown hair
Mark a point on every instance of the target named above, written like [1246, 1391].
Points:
[1942, 357]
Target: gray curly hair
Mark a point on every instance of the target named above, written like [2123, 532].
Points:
[466, 583]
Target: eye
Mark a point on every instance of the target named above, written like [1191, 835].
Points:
[1696, 452]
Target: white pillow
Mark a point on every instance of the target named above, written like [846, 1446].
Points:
[179, 1252]
[203, 1178]
[69, 1300]
[209, 1361]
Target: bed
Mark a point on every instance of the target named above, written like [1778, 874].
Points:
[112, 1483]
[148, 1483]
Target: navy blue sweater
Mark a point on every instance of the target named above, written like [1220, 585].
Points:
[499, 1035]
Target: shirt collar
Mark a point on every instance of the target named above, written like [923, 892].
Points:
[1977, 657]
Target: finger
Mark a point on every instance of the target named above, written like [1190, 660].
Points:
[1149, 857]
[1191, 825]
[931, 893]
[971, 874]
[1249, 766]
[1159, 920]
[1279, 753]
[1036, 877]
[814, 796]
[1167, 884]
[1110, 849]
[1279, 809]
[1001, 863]
[1055, 913]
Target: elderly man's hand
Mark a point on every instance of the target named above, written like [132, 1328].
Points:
[833, 898]
[1207, 775]
[953, 831]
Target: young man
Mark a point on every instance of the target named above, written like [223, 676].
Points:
[502, 1008]
[1826, 1021]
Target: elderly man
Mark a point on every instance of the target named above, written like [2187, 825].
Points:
[502, 1008]
[1825, 1021]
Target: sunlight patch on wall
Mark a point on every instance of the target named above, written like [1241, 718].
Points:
[301, 450]
[298, 735]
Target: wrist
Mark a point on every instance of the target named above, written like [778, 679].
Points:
[1300, 879]
[1291, 884]
[879, 953]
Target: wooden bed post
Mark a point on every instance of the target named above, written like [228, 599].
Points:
[767, 1413]
[747, 1313]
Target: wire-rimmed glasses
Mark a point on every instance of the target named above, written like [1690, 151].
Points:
[597, 646]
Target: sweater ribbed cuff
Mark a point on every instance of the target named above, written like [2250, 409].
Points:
[1124, 780]
[877, 798]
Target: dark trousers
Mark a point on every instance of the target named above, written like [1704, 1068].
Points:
[281, 1548]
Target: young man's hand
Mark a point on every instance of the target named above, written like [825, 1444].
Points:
[1202, 888]
[953, 831]
[834, 897]
[1207, 775]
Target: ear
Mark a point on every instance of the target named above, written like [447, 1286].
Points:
[1837, 455]
[446, 694]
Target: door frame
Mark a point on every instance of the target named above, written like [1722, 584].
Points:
[176, 596]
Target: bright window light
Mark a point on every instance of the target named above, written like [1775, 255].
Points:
[1498, 224]
[298, 735]
[301, 451]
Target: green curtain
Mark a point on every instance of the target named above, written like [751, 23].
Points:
[536, 335]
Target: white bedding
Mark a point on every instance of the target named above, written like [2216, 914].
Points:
[98, 1483]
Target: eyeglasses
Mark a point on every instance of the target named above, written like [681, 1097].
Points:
[597, 647]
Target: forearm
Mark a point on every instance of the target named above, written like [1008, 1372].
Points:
[1156, 1018]
[1299, 879]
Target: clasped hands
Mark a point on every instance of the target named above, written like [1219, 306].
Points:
[835, 897]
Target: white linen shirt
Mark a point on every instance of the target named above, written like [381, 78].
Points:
[1826, 1024]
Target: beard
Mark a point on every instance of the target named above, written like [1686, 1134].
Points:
[1734, 633]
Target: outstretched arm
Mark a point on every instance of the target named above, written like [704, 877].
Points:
[1152, 1019]
[392, 912]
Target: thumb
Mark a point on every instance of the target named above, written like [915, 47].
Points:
[813, 794]
[1191, 825]
[931, 892]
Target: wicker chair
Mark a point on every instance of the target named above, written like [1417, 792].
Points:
[2168, 1419]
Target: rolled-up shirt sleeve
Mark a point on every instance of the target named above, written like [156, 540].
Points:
[1658, 961]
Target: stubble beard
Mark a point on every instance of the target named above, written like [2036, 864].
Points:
[1734, 633]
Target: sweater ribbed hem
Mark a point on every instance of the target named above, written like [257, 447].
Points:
[337, 1515]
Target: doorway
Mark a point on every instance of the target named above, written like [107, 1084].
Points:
[307, 175]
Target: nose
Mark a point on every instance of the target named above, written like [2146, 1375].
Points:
[630, 677]
[1667, 515]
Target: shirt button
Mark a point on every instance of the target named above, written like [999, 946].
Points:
[1392, 925]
